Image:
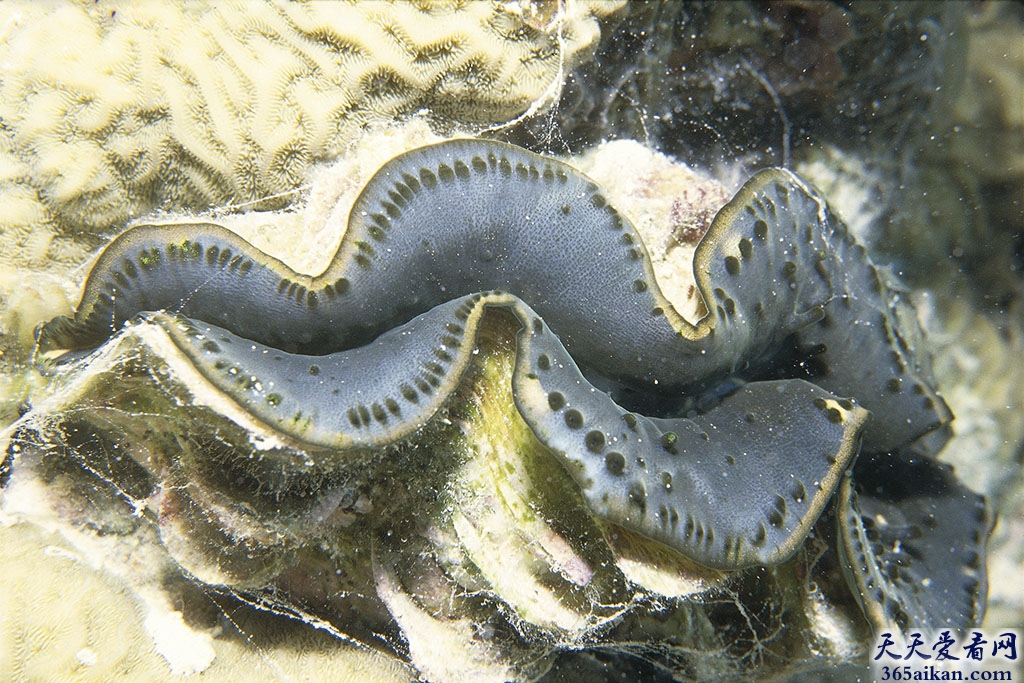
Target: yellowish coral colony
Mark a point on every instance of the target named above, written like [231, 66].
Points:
[132, 107]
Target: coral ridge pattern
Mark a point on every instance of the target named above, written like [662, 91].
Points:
[235, 101]
[723, 439]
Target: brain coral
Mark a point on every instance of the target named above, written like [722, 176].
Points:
[163, 105]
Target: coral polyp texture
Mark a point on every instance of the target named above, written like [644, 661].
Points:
[489, 384]
[134, 107]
